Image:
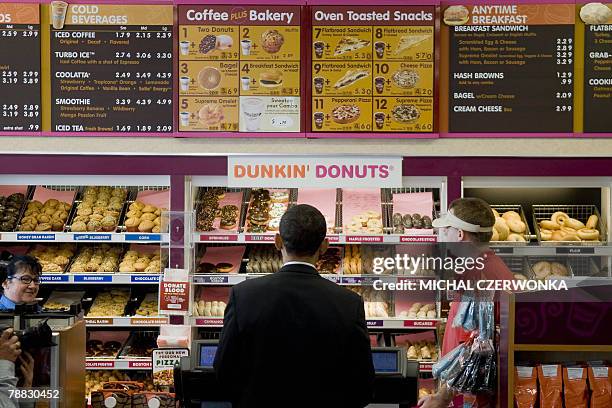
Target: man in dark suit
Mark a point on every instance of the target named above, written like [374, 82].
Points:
[295, 339]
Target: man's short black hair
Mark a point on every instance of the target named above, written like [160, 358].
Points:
[303, 229]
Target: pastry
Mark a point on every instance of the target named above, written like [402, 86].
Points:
[272, 41]
[408, 41]
[224, 267]
[591, 222]
[405, 78]
[351, 77]
[344, 114]
[541, 269]
[588, 234]
[349, 44]
[132, 224]
[146, 226]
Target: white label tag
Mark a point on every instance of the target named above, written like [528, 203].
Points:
[550, 370]
[600, 372]
[524, 372]
[574, 373]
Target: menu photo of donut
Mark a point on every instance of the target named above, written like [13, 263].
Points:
[224, 259]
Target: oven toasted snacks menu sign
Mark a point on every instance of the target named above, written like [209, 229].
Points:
[597, 18]
[239, 68]
[511, 67]
[20, 67]
[111, 68]
[372, 68]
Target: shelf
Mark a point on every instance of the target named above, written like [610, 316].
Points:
[552, 250]
[388, 323]
[563, 347]
[234, 279]
[199, 237]
[82, 237]
[96, 278]
[134, 321]
[118, 364]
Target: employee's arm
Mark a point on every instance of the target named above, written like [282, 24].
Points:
[228, 359]
[362, 368]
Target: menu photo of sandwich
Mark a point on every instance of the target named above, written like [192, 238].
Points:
[456, 15]
[351, 77]
[349, 44]
[271, 79]
[409, 41]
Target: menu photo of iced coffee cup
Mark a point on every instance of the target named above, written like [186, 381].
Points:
[58, 14]
[252, 110]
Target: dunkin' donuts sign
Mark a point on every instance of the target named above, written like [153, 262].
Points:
[314, 172]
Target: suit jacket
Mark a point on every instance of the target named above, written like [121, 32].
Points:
[295, 339]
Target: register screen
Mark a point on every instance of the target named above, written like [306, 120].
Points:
[385, 362]
[207, 355]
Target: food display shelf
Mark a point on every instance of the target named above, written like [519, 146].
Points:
[387, 323]
[96, 278]
[551, 250]
[199, 237]
[83, 237]
[234, 279]
[133, 321]
[118, 364]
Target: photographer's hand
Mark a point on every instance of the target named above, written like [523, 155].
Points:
[27, 369]
[10, 348]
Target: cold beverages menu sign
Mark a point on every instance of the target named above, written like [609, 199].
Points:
[373, 68]
[597, 67]
[20, 67]
[511, 67]
[239, 68]
[111, 68]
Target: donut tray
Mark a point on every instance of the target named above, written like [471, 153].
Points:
[502, 208]
[579, 212]
[388, 204]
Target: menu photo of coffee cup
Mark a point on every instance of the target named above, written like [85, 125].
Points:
[58, 14]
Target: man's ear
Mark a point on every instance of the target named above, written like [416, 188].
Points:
[278, 242]
[323, 247]
[462, 235]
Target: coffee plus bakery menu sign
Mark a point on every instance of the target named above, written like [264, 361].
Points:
[373, 68]
[511, 67]
[111, 68]
[597, 66]
[239, 68]
[20, 67]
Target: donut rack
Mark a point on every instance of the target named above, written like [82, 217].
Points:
[388, 204]
[579, 212]
[502, 208]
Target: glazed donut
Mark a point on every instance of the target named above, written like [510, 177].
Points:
[559, 217]
[516, 225]
[511, 215]
[495, 236]
[546, 235]
[541, 269]
[516, 238]
[588, 234]
[502, 228]
[549, 225]
[572, 223]
[557, 235]
[592, 222]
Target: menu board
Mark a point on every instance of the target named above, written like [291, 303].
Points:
[111, 68]
[372, 68]
[511, 67]
[20, 67]
[597, 67]
[239, 68]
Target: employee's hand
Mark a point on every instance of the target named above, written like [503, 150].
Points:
[10, 348]
[432, 401]
[27, 369]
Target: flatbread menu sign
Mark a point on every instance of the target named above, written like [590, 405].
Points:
[111, 68]
[239, 68]
[373, 68]
[511, 67]
[20, 67]
[597, 67]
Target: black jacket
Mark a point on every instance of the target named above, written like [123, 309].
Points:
[295, 339]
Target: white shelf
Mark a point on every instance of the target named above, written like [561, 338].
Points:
[134, 321]
[97, 278]
[118, 364]
[388, 323]
[199, 237]
[83, 237]
[552, 250]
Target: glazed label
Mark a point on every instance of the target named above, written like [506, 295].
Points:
[20, 108]
[597, 19]
[208, 114]
[513, 65]
[264, 43]
[111, 68]
[371, 51]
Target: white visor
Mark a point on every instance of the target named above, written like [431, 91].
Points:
[450, 220]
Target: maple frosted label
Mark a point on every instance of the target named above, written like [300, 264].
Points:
[379, 54]
[247, 55]
[20, 107]
[511, 67]
[111, 68]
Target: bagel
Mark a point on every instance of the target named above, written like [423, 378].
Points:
[558, 217]
[568, 230]
[519, 276]
[511, 215]
[502, 228]
[571, 237]
[516, 226]
[559, 269]
[546, 235]
[516, 238]
[557, 235]
[495, 213]
[572, 223]
[592, 222]
[541, 269]
[495, 236]
[549, 225]
[588, 234]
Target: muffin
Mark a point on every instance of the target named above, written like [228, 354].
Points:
[146, 226]
[108, 223]
[132, 224]
[133, 214]
[148, 217]
[79, 226]
[137, 205]
[43, 227]
[149, 209]
[94, 226]
[140, 266]
[156, 229]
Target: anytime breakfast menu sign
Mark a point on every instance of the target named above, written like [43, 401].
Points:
[511, 67]
[597, 66]
[20, 83]
[111, 68]
[239, 68]
[372, 68]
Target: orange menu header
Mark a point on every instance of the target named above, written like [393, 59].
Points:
[18, 13]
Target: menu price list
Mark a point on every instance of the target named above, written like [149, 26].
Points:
[20, 105]
[372, 69]
[111, 69]
[511, 68]
[597, 67]
[239, 68]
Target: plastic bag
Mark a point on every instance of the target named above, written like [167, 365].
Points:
[467, 315]
[486, 325]
[443, 364]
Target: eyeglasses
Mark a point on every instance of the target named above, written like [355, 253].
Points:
[26, 280]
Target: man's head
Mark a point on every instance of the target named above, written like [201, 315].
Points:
[302, 234]
[469, 219]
